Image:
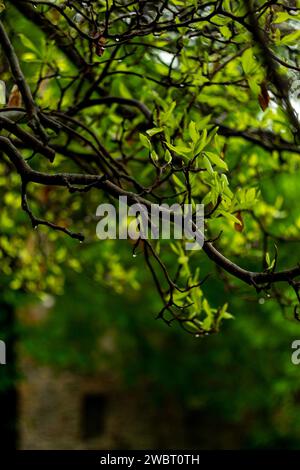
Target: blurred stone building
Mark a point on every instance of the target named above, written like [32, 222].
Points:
[66, 411]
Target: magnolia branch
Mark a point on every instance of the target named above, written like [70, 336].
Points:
[27, 174]
[112, 175]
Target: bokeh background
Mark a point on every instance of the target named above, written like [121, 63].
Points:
[88, 364]
[96, 370]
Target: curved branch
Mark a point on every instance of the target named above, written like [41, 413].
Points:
[27, 174]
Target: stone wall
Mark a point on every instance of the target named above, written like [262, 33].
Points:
[67, 411]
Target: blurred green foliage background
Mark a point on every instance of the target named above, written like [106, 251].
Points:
[239, 386]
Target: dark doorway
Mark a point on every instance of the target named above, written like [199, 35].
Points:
[93, 415]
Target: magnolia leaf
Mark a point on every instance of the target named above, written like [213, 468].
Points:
[229, 216]
[194, 134]
[178, 182]
[179, 149]
[154, 131]
[290, 39]
[217, 160]
[28, 43]
[248, 62]
[207, 165]
[168, 156]
[145, 141]
[154, 156]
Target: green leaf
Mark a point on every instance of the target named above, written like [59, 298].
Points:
[124, 92]
[154, 131]
[270, 264]
[281, 17]
[290, 39]
[180, 149]
[178, 182]
[166, 117]
[207, 165]
[251, 195]
[206, 307]
[29, 44]
[230, 217]
[227, 316]
[225, 31]
[214, 158]
[154, 156]
[248, 62]
[202, 142]
[254, 85]
[168, 156]
[174, 248]
[194, 134]
[145, 141]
